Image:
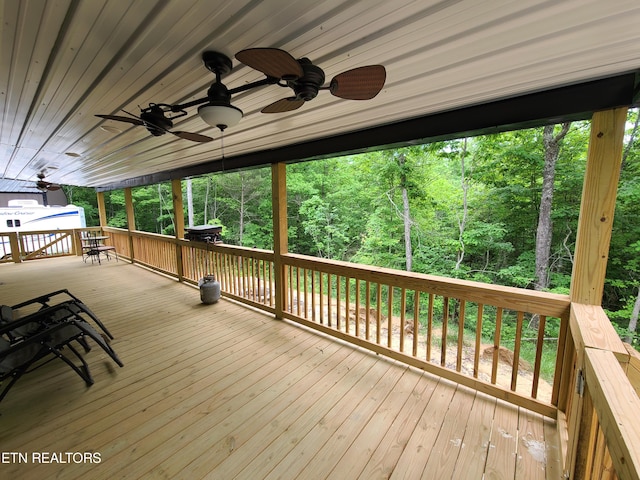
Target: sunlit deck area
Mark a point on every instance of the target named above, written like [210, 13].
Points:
[225, 391]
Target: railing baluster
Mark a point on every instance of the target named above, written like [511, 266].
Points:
[516, 351]
[496, 346]
[367, 312]
[321, 280]
[476, 354]
[378, 310]
[430, 326]
[338, 323]
[329, 303]
[299, 300]
[347, 303]
[306, 293]
[403, 307]
[445, 322]
[313, 296]
[416, 322]
[461, 314]
[389, 316]
[538, 362]
[357, 314]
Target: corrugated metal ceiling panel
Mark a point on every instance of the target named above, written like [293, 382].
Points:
[63, 62]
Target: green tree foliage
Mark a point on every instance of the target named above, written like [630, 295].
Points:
[473, 209]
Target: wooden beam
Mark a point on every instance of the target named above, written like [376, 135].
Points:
[598, 204]
[178, 208]
[178, 221]
[280, 226]
[102, 211]
[131, 220]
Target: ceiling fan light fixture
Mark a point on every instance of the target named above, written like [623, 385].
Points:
[219, 115]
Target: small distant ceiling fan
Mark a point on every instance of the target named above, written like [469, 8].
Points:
[280, 68]
[46, 186]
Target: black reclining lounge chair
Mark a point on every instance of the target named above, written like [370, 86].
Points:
[58, 297]
[36, 339]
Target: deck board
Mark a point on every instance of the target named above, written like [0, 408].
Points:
[224, 391]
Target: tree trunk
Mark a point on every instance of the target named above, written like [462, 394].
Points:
[189, 203]
[544, 232]
[633, 322]
[406, 217]
[206, 200]
[462, 222]
[242, 208]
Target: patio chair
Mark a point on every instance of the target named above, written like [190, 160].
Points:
[84, 243]
[57, 328]
[92, 246]
[63, 296]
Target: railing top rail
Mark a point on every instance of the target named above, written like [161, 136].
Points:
[617, 407]
[591, 328]
[531, 301]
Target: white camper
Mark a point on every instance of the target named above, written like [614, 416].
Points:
[29, 215]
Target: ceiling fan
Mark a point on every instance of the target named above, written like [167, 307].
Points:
[307, 79]
[279, 68]
[154, 120]
[46, 186]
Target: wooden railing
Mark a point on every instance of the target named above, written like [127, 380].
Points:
[20, 246]
[453, 328]
[581, 374]
[598, 402]
[245, 274]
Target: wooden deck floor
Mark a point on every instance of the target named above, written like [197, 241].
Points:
[222, 391]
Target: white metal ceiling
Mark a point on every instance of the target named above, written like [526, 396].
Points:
[63, 61]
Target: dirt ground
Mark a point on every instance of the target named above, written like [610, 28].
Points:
[524, 379]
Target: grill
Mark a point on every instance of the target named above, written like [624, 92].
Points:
[204, 233]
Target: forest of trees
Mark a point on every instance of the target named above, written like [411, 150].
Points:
[500, 208]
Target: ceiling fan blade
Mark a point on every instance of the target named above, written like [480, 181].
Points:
[362, 83]
[283, 105]
[120, 118]
[52, 187]
[273, 62]
[194, 137]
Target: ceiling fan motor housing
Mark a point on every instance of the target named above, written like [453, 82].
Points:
[306, 87]
[155, 121]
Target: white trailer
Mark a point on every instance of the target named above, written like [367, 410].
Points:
[28, 216]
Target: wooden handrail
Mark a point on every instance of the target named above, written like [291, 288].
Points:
[597, 393]
[543, 303]
[616, 405]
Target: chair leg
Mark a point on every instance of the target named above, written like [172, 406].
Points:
[82, 371]
[84, 309]
[89, 332]
[14, 378]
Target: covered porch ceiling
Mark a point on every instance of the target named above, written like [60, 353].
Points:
[452, 66]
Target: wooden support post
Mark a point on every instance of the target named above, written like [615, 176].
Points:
[280, 240]
[16, 252]
[590, 261]
[102, 211]
[178, 221]
[598, 204]
[131, 220]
